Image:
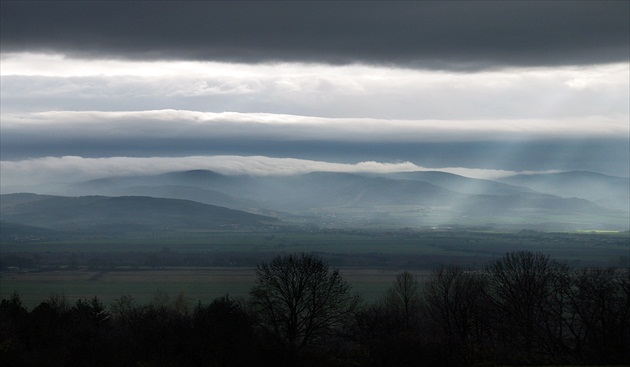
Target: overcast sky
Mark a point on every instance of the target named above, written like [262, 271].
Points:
[91, 89]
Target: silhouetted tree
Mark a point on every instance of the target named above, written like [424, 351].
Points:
[223, 334]
[523, 309]
[14, 333]
[300, 303]
[599, 318]
[50, 343]
[455, 304]
[161, 336]
[404, 299]
[89, 329]
[390, 332]
[525, 291]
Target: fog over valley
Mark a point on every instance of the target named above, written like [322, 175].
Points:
[420, 199]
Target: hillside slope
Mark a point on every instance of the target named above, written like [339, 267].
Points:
[607, 191]
[573, 200]
[96, 213]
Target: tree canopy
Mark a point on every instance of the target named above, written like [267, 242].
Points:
[300, 302]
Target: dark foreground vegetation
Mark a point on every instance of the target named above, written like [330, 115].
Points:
[521, 309]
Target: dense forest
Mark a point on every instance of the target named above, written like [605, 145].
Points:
[521, 309]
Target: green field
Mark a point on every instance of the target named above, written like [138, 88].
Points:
[196, 284]
[205, 265]
[603, 248]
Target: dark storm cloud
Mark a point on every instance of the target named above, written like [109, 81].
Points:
[455, 35]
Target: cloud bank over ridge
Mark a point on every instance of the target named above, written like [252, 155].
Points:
[59, 169]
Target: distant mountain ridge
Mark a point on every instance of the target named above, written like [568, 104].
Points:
[95, 213]
[463, 184]
[607, 191]
[571, 200]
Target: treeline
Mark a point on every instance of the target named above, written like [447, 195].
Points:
[522, 309]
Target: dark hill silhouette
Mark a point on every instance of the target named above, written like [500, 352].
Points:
[192, 193]
[95, 212]
[21, 198]
[16, 231]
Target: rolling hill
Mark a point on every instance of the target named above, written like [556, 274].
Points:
[465, 185]
[572, 200]
[102, 213]
[607, 191]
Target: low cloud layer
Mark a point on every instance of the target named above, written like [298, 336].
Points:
[597, 143]
[32, 82]
[19, 175]
[178, 127]
[442, 35]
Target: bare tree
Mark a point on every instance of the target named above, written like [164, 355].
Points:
[300, 301]
[526, 290]
[455, 303]
[390, 331]
[404, 299]
[599, 310]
